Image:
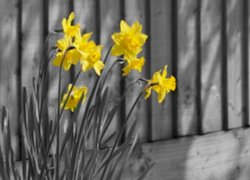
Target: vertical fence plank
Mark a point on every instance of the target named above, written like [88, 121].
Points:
[85, 11]
[88, 15]
[211, 65]
[248, 37]
[32, 35]
[198, 68]
[9, 65]
[247, 46]
[85, 15]
[135, 10]
[224, 64]
[110, 23]
[245, 63]
[187, 63]
[32, 41]
[174, 64]
[234, 65]
[161, 55]
[57, 11]
[148, 123]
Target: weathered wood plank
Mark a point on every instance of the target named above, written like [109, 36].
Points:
[234, 65]
[57, 11]
[211, 65]
[110, 23]
[199, 61]
[217, 156]
[32, 41]
[248, 49]
[187, 64]
[88, 17]
[9, 64]
[161, 55]
[174, 64]
[245, 56]
[135, 10]
[85, 15]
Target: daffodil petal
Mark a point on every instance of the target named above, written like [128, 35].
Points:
[98, 67]
[124, 26]
[116, 51]
[147, 92]
[71, 17]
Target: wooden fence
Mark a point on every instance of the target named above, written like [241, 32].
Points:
[203, 42]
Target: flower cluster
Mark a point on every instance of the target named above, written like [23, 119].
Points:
[128, 43]
[74, 48]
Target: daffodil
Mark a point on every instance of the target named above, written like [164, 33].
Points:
[69, 29]
[92, 59]
[66, 52]
[133, 63]
[160, 84]
[74, 97]
[83, 45]
[129, 41]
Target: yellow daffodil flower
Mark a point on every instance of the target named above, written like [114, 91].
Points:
[93, 59]
[160, 84]
[133, 63]
[129, 41]
[83, 45]
[66, 52]
[69, 29]
[74, 97]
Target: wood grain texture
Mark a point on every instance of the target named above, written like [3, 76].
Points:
[135, 10]
[160, 56]
[218, 156]
[57, 11]
[187, 72]
[31, 41]
[211, 65]
[248, 48]
[85, 14]
[9, 64]
[245, 61]
[234, 65]
[109, 24]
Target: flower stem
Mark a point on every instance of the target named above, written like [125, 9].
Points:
[104, 165]
[58, 114]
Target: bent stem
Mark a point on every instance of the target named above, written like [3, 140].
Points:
[104, 165]
[85, 115]
[56, 131]
[58, 114]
